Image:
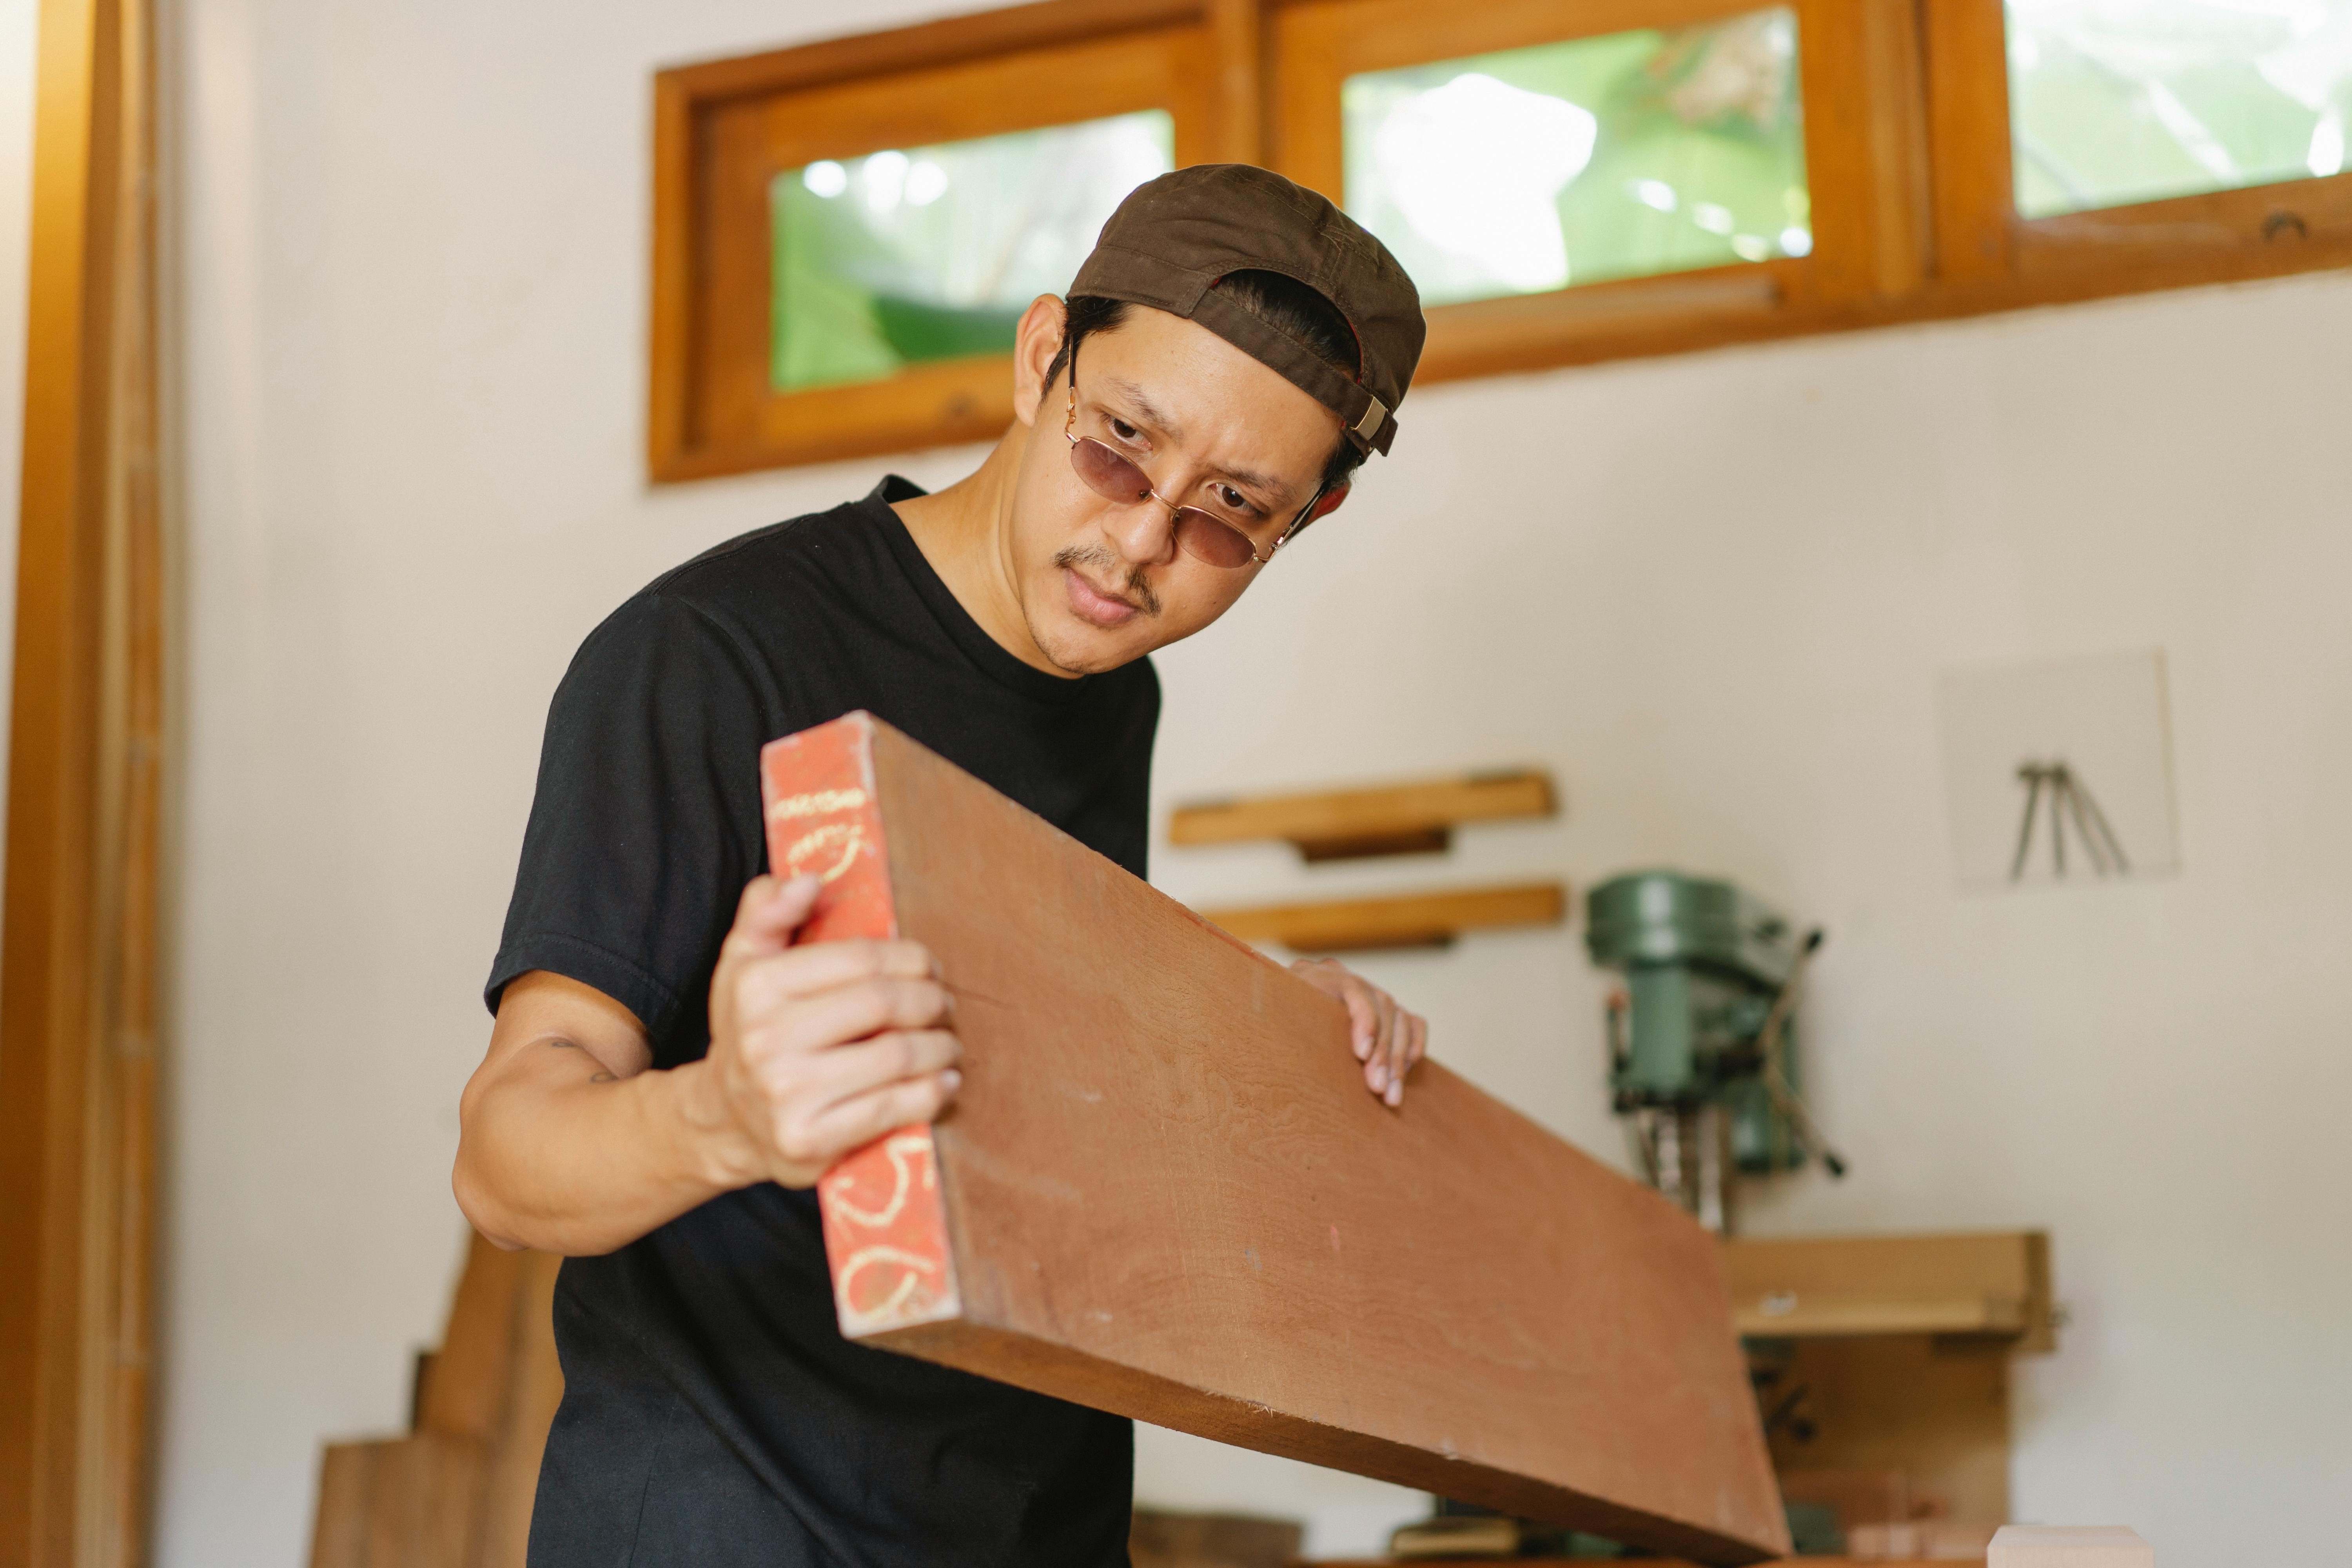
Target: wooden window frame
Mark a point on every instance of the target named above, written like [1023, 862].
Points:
[1992, 259]
[1865, 159]
[724, 130]
[1906, 150]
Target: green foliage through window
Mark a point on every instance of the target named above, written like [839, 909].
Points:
[2115, 102]
[930, 253]
[1618, 156]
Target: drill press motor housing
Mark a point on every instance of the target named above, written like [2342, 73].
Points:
[1690, 1063]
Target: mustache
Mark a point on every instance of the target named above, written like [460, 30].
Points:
[1108, 565]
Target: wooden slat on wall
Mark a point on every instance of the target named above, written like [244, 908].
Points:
[1411, 920]
[78, 966]
[1325, 824]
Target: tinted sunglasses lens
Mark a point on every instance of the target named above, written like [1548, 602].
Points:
[1198, 534]
[1108, 474]
[1204, 538]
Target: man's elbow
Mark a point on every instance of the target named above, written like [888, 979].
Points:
[484, 1214]
[469, 1183]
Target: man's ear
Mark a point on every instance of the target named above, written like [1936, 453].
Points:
[1331, 499]
[1036, 342]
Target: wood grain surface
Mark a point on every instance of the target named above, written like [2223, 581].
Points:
[1169, 1195]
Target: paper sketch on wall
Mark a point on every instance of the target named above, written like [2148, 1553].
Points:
[2059, 771]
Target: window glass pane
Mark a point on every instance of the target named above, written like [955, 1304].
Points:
[2114, 101]
[929, 253]
[1611, 157]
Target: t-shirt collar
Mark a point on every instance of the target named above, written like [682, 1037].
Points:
[967, 634]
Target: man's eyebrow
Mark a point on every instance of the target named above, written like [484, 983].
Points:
[1147, 412]
[1150, 412]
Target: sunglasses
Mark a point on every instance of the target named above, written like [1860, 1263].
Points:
[1202, 535]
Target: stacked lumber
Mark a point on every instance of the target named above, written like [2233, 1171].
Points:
[456, 1491]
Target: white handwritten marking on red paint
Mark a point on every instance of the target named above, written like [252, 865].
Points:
[839, 841]
[905, 1151]
[913, 1287]
[893, 1306]
[817, 803]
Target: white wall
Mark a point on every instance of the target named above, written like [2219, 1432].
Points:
[1712, 594]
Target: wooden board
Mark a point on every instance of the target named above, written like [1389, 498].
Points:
[456, 1492]
[1164, 1192]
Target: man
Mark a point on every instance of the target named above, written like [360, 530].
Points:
[668, 1076]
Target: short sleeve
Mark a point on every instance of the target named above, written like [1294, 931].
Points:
[645, 825]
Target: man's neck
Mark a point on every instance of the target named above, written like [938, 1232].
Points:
[965, 531]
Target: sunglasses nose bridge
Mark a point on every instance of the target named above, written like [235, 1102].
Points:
[1117, 478]
[1114, 478]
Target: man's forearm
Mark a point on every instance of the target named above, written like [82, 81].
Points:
[569, 1145]
[558, 1155]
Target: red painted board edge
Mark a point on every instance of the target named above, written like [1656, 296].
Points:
[885, 1226]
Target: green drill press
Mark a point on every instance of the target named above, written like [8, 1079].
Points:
[1702, 1044]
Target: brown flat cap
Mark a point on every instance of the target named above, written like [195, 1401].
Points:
[1173, 238]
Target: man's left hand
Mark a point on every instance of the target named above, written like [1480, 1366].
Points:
[1386, 1038]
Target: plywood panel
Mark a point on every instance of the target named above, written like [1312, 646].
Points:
[1164, 1191]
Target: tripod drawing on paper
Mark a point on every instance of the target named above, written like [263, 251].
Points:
[2068, 799]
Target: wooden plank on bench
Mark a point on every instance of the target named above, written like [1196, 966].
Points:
[1164, 1192]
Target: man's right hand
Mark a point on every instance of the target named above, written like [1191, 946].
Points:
[818, 1050]
[570, 1142]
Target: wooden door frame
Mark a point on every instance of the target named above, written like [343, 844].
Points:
[77, 957]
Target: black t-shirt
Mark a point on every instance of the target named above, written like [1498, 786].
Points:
[712, 1414]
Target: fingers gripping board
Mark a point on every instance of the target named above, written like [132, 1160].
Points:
[1164, 1191]
[885, 1225]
